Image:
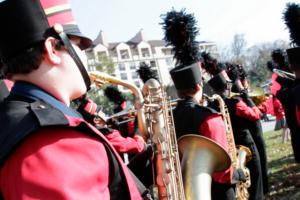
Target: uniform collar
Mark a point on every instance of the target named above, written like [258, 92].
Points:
[34, 92]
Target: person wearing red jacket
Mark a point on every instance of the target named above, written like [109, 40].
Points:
[92, 114]
[280, 120]
[189, 116]
[241, 116]
[47, 150]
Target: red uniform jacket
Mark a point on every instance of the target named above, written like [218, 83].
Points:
[275, 85]
[278, 109]
[133, 144]
[244, 111]
[213, 128]
[61, 162]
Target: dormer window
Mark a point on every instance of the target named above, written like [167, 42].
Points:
[145, 52]
[124, 54]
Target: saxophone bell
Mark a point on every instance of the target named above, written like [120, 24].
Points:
[201, 157]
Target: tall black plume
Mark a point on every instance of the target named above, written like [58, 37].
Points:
[291, 17]
[180, 32]
[145, 72]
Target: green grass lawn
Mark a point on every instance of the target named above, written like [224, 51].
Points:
[284, 174]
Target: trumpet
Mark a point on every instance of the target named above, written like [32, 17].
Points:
[284, 74]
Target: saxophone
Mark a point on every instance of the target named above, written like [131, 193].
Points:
[239, 154]
[175, 179]
[168, 184]
[100, 78]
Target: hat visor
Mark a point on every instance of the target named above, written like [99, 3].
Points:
[73, 30]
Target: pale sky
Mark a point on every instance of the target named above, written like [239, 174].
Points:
[218, 20]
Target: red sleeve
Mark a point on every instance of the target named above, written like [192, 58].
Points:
[244, 111]
[213, 128]
[130, 128]
[126, 145]
[56, 164]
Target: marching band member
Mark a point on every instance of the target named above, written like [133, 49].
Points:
[289, 96]
[241, 115]
[239, 76]
[189, 116]
[48, 151]
[91, 113]
[129, 128]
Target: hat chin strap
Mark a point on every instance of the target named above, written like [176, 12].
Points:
[63, 36]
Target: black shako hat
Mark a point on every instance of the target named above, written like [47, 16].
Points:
[218, 82]
[186, 77]
[180, 32]
[292, 21]
[26, 22]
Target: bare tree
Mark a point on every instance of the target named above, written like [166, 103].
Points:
[238, 47]
[257, 57]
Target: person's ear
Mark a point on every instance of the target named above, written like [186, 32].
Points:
[51, 52]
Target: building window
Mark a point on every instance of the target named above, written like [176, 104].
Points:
[101, 54]
[124, 76]
[124, 54]
[152, 63]
[132, 66]
[166, 51]
[134, 75]
[121, 66]
[145, 52]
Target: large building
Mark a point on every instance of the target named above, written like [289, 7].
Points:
[127, 56]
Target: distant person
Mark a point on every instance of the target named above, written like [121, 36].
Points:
[280, 120]
[289, 93]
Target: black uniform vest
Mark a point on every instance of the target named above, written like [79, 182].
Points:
[188, 116]
[21, 116]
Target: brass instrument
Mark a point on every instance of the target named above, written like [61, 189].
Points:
[285, 74]
[168, 178]
[239, 154]
[100, 78]
[201, 157]
[257, 98]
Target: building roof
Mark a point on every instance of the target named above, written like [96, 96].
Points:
[133, 42]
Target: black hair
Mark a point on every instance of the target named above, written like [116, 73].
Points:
[26, 61]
